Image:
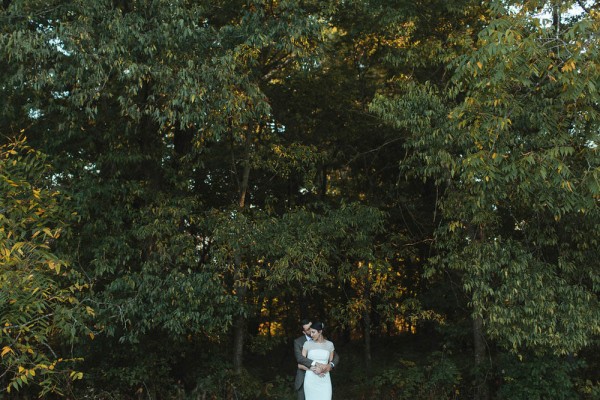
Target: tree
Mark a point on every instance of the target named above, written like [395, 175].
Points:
[237, 163]
[157, 119]
[40, 295]
[512, 145]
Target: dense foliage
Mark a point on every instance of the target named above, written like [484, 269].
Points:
[200, 175]
[41, 298]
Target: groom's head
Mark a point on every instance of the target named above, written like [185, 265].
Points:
[306, 323]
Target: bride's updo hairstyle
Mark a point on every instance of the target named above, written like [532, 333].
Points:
[318, 326]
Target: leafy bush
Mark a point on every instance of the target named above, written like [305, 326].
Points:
[437, 379]
[537, 378]
[587, 389]
[281, 388]
[40, 310]
[225, 384]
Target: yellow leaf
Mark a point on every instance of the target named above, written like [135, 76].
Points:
[479, 64]
[569, 66]
[6, 350]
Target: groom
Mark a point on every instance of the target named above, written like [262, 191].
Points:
[298, 344]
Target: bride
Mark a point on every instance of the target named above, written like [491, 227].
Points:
[317, 385]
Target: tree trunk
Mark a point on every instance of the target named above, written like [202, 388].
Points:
[239, 332]
[367, 320]
[322, 182]
[243, 184]
[239, 324]
[367, 323]
[481, 390]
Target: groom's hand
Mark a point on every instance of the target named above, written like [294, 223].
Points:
[325, 368]
[322, 368]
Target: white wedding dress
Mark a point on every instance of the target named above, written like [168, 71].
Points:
[318, 387]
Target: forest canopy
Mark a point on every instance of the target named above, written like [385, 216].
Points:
[182, 182]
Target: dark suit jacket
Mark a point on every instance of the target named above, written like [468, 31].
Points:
[298, 344]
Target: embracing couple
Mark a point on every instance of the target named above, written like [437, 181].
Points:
[316, 357]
